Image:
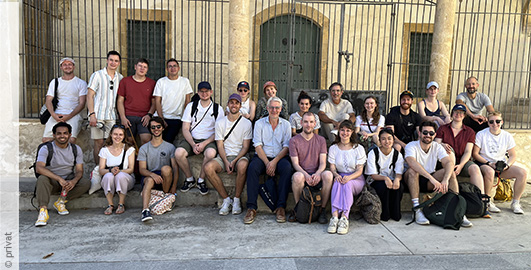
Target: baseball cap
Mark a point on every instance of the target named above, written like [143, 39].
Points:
[407, 93]
[243, 84]
[67, 59]
[432, 83]
[236, 97]
[205, 85]
[459, 107]
[269, 83]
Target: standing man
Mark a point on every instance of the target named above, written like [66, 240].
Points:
[71, 96]
[475, 103]
[491, 146]
[64, 172]
[271, 141]
[199, 122]
[403, 121]
[422, 157]
[101, 99]
[172, 93]
[334, 110]
[157, 166]
[233, 138]
[308, 157]
[135, 102]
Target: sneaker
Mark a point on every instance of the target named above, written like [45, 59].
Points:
[202, 188]
[187, 185]
[43, 218]
[493, 208]
[487, 214]
[322, 216]
[236, 207]
[59, 205]
[342, 226]
[146, 215]
[466, 222]
[420, 218]
[332, 226]
[517, 209]
[225, 207]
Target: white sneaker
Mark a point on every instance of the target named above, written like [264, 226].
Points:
[236, 207]
[225, 207]
[493, 208]
[342, 226]
[420, 218]
[517, 209]
[466, 222]
[332, 226]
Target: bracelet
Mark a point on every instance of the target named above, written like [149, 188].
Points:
[91, 114]
[150, 115]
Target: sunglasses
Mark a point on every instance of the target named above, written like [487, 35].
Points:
[112, 85]
[118, 126]
[431, 133]
[497, 121]
[156, 127]
[243, 90]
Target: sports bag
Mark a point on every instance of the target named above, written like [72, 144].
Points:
[161, 202]
[476, 203]
[504, 191]
[446, 210]
[369, 204]
[308, 207]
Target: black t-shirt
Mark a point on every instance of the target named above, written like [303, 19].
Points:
[405, 125]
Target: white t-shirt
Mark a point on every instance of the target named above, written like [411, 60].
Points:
[384, 162]
[234, 143]
[493, 147]
[346, 160]
[113, 161]
[173, 96]
[426, 160]
[206, 127]
[295, 121]
[68, 93]
[365, 127]
[337, 112]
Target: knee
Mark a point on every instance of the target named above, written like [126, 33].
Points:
[242, 164]
[327, 177]
[209, 167]
[210, 153]
[298, 179]
[180, 153]
[166, 170]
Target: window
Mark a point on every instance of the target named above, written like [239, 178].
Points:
[147, 39]
[419, 62]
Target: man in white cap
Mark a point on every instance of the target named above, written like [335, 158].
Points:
[71, 95]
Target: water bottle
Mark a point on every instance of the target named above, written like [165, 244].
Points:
[63, 195]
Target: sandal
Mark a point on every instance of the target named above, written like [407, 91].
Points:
[120, 209]
[109, 209]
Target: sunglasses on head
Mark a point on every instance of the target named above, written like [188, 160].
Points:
[243, 90]
[497, 121]
[156, 127]
[425, 132]
[118, 126]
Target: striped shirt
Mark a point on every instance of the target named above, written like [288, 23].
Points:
[105, 98]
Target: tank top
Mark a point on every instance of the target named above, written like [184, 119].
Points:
[430, 113]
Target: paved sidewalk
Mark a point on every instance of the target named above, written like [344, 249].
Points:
[193, 237]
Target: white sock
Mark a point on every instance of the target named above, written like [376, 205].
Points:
[415, 201]
[190, 179]
[236, 199]
[515, 201]
[227, 200]
[200, 180]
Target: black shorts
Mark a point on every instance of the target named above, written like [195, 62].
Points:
[155, 186]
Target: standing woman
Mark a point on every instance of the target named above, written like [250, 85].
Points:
[270, 90]
[117, 163]
[305, 102]
[248, 108]
[347, 159]
[432, 109]
[387, 175]
[370, 122]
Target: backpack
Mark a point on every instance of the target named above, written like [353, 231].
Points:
[50, 155]
[476, 203]
[369, 204]
[195, 102]
[446, 210]
[377, 158]
[308, 207]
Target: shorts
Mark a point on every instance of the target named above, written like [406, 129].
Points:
[184, 144]
[230, 159]
[423, 184]
[75, 122]
[102, 133]
[464, 171]
[155, 186]
[136, 126]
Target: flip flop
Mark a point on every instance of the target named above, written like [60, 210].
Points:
[120, 209]
[109, 209]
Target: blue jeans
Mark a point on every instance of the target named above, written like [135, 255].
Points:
[257, 168]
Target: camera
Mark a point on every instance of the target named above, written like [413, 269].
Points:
[500, 166]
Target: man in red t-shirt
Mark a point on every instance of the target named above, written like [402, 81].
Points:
[135, 102]
[308, 157]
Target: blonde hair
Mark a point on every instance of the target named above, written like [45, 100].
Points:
[495, 113]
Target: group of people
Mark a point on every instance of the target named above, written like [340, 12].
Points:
[428, 150]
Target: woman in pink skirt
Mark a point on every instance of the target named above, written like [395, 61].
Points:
[347, 159]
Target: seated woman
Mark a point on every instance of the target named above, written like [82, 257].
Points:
[347, 159]
[432, 109]
[117, 163]
[305, 102]
[248, 107]
[385, 165]
[369, 123]
[270, 90]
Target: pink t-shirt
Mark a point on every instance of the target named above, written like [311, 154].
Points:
[307, 151]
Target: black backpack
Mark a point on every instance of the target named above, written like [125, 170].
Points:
[50, 155]
[195, 102]
[308, 207]
[476, 203]
[446, 210]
